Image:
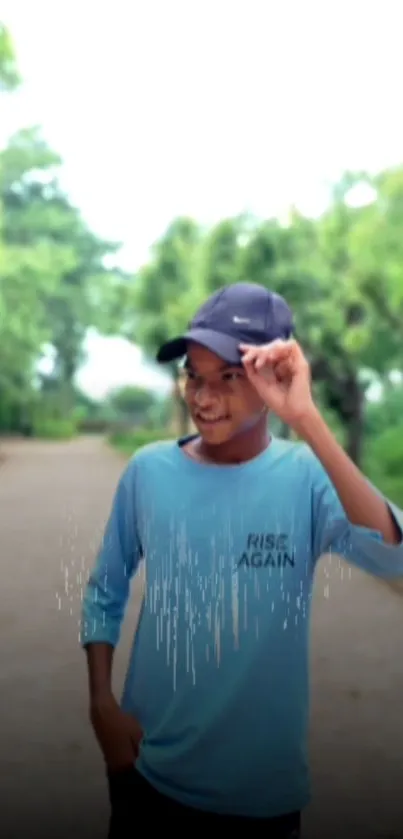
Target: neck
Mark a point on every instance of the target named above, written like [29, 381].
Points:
[242, 447]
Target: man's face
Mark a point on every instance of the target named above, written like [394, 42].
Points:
[220, 398]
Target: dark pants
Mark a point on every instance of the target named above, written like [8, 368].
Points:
[134, 802]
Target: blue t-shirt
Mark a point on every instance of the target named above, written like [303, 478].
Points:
[218, 676]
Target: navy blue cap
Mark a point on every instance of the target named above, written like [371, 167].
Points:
[240, 313]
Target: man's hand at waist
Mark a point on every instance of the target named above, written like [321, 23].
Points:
[118, 733]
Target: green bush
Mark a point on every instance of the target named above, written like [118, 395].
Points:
[392, 488]
[94, 426]
[386, 452]
[54, 429]
[129, 441]
[383, 463]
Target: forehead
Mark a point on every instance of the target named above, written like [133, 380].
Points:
[203, 360]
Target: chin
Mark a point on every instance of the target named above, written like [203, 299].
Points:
[216, 434]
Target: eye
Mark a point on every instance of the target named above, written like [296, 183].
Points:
[232, 376]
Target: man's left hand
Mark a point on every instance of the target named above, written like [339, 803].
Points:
[281, 375]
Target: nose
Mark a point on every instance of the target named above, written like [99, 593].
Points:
[204, 396]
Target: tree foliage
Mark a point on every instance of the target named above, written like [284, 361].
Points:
[342, 273]
[54, 283]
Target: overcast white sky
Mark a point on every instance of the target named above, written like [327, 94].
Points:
[207, 108]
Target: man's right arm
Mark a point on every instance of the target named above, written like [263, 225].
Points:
[108, 587]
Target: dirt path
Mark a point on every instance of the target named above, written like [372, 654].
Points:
[53, 502]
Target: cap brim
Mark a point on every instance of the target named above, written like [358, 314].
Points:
[224, 346]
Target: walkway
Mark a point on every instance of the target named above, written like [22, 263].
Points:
[53, 502]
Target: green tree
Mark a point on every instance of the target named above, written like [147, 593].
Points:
[133, 404]
[53, 281]
[377, 251]
[221, 254]
[9, 75]
[164, 295]
[37, 214]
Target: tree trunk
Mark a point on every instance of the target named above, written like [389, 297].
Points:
[354, 420]
[181, 413]
[345, 397]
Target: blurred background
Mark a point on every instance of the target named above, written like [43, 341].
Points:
[149, 154]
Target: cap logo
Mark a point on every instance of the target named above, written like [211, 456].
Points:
[236, 319]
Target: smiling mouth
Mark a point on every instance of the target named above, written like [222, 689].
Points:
[211, 421]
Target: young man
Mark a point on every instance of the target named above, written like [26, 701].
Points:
[212, 730]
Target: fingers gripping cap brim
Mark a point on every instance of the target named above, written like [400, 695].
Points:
[224, 346]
